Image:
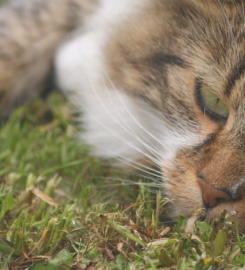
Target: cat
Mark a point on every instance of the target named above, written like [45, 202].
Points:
[157, 81]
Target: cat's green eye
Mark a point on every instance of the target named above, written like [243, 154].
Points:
[211, 103]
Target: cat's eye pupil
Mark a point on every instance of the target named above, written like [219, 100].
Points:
[210, 103]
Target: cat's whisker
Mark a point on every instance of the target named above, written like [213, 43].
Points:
[151, 149]
[122, 159]
[143, 128]
[180, 132]
[143, 176]
[173, 118]
[130, 182]
[133, 164]
[152, 180]
[114, 133]
[149, 172]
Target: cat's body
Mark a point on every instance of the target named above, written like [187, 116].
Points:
[140, 70]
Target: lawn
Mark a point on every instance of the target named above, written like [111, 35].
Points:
[61, 208]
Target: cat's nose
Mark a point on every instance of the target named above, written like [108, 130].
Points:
[212, 196]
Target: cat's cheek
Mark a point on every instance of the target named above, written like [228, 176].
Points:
[182, 188]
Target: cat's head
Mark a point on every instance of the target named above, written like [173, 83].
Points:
[185, 61]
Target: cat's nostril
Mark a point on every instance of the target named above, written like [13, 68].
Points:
[212, 196]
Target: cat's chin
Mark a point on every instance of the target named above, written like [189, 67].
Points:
[235, 210]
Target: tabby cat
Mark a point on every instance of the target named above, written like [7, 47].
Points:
[157, 80]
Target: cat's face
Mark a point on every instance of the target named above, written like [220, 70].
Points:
[185, 62]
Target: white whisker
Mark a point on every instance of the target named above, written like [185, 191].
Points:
[130, 182]
[112, 132]
[137, 174]
[125, 160]
[128, 129]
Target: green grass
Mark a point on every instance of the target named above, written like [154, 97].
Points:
[59, 210]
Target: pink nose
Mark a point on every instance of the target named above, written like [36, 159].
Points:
[212, 196]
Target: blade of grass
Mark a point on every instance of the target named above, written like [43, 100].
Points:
[121, 230]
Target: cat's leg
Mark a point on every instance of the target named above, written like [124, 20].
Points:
[30, 31]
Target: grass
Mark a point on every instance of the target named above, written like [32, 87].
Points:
[59, 210]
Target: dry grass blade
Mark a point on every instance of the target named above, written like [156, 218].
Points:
[122, 230]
